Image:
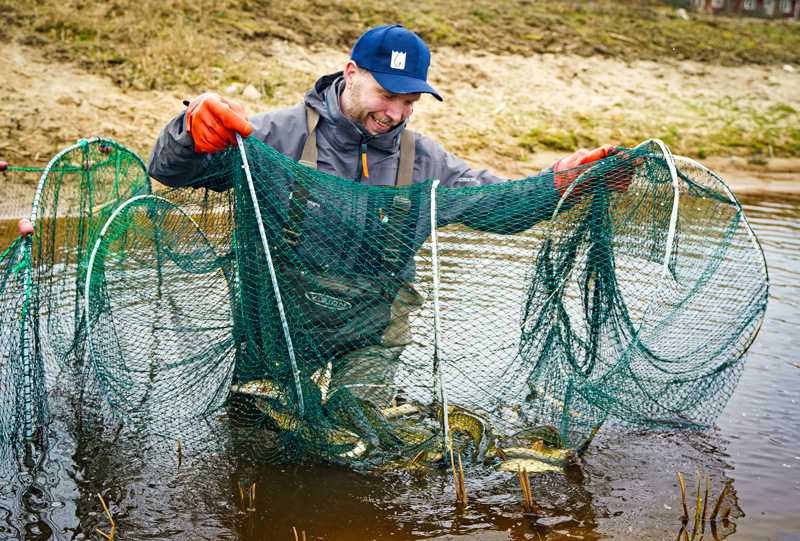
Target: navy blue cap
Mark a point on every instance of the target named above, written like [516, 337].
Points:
[396, 57]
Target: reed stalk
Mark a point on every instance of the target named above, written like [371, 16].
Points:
[721, 497]
[699, 504]
[683, 495]
[110, 534]
[524, 481]
[458, 479]
[705, 505]
[461, 481]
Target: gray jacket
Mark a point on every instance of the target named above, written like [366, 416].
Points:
[174, 162]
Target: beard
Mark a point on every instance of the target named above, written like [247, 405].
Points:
[359, 114]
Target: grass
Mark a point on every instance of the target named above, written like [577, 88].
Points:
[158, 44]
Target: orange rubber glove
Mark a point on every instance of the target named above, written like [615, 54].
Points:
[213, 121]
[572, 167]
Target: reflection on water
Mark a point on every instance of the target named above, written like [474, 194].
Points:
[627, 487]
[761, 424]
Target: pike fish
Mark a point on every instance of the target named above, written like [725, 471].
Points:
[403, 410]
[542, 451]
[549, 455]
[285, 420]
[260, 387]
[547, 434]
[477, 427]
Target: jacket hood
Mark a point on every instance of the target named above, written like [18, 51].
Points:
[324, 98]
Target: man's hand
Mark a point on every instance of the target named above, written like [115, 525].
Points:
[213, 121]
[571, 165]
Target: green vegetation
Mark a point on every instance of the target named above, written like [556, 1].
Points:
[750, 134]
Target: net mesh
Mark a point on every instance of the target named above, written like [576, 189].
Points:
[42, 278]
[287, 314]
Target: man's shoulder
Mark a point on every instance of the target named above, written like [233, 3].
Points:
[284, 130]
[425, 146]
[279, 121]
[286, 114]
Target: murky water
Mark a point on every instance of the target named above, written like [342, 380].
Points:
[627, 487]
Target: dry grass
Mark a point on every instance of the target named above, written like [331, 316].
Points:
[156, 44]
[110, 534]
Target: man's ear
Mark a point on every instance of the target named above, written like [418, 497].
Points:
[350, 73]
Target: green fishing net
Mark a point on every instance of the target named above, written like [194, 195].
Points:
[285, 314]
[42, 279]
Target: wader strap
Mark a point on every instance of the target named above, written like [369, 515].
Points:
[299, 196]
[309, 155]
[401, 204]
[405, 169]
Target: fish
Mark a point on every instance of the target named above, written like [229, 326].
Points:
[284, 419]
[414, 436]
[581, 449]
[260, 387]
[548, 434]
[545, 452]
[531, 465]
[356, 451]
[403, 410]
[322, 379]
[357, 414]
[537, 393]
[338, 437]
[422, 462]
[478, 428]
[555, 457]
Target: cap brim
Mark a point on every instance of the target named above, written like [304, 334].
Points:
[402, 84]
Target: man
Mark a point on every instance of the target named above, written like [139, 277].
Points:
[352, 124]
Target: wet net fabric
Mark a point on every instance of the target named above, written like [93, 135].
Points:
[42, 278]
[278, 312]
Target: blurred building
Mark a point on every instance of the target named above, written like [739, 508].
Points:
[772, 9]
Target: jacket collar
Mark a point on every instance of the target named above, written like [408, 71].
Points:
[324, 98]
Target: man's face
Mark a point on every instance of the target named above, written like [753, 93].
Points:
[367, 103]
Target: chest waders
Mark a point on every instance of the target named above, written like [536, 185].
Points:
[338, 311]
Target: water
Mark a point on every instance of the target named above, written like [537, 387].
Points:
[627, 487]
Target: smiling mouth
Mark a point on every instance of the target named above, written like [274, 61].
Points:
[385, 125]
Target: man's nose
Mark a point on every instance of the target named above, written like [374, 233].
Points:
[395, 110]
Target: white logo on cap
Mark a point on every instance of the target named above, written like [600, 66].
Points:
[398, 60]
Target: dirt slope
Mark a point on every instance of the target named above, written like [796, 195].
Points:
[490, 101]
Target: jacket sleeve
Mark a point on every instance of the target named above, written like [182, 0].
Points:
[507, 208]
[514, 207]
[173, 161]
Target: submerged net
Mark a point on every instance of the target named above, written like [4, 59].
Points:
[288, 314]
